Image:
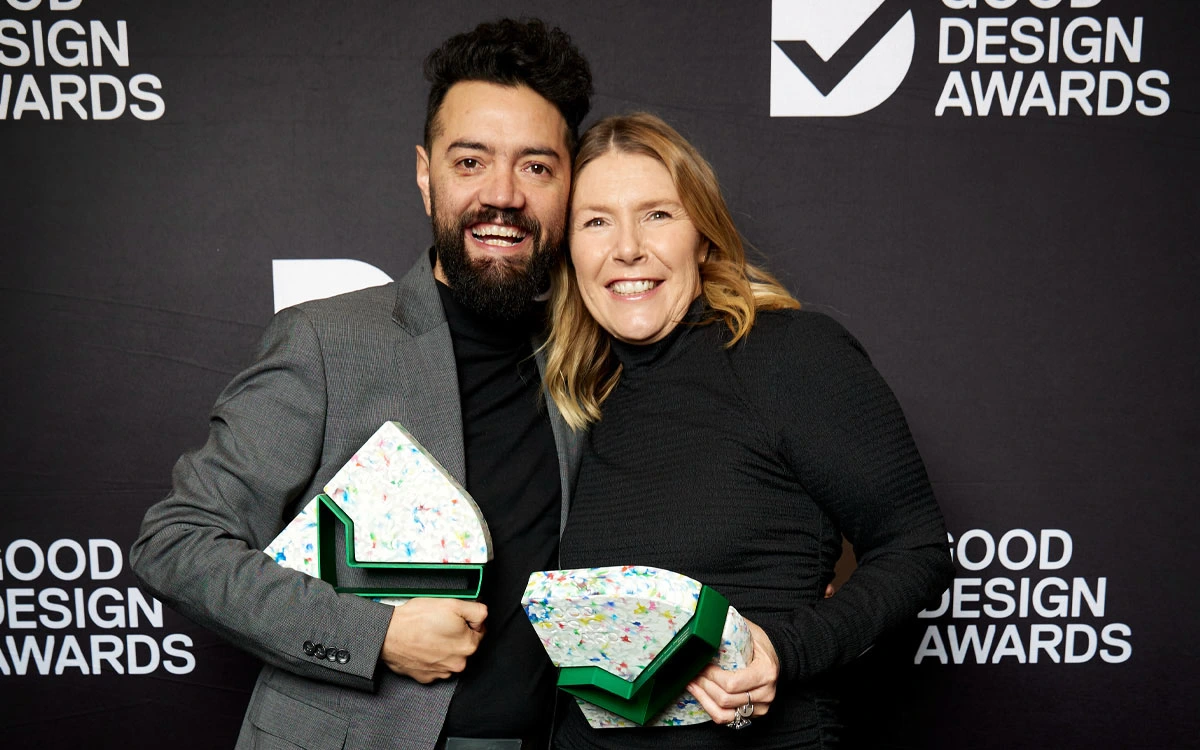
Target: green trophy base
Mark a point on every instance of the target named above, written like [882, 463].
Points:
[665, 678]
[386, 579]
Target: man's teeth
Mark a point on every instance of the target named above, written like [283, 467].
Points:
[498, 235]
[632, 287]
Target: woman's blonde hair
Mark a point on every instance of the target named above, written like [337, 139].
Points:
[580, 369]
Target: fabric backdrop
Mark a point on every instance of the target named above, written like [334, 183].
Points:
[998, 198]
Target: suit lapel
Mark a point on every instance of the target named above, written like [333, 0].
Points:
[432, 412]
[567, 441]
[426, 373]
[428, 383]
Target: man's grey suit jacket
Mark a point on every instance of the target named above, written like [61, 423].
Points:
[328, 374]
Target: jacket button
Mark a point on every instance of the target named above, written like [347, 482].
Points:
[309, 647]
[331, 654]
[319, 651]
[343, 656]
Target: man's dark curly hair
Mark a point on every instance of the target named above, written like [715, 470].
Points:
[513, 53]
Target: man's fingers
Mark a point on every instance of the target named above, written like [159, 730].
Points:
[474, 613]
[426, 678]
[430, 639]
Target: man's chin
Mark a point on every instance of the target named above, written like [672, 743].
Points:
[499, 289]
[500, 268]
[501, 284]
[503, 261]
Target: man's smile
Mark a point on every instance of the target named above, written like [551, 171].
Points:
[498, 235]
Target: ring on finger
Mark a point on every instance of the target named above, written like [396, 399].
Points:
[747, 710]
[741, 716]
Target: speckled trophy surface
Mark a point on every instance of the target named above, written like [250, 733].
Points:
[628, 639]
[400, 512]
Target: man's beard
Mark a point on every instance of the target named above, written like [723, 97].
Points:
[498, 287]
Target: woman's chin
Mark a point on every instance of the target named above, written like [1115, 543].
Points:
[640, 335]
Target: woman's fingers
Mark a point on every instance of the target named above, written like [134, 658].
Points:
[721, 692]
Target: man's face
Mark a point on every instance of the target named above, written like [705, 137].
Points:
[495, 182]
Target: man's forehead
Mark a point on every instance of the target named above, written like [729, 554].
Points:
[499, 117]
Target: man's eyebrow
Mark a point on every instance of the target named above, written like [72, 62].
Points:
[540, 151]
[470, 146]
[545, 151]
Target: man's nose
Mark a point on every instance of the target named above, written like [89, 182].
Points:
[502, 190]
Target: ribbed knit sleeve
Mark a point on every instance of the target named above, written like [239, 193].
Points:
[842, 432]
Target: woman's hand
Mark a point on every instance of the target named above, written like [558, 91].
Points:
[721, 692]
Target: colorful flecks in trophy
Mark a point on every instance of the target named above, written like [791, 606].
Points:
[399, 511]
[627, 640]
[735, 652]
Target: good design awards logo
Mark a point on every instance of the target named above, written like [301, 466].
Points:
[837, 58]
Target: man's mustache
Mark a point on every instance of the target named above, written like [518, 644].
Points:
[508, 216]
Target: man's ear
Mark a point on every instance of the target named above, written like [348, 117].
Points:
[423, 178]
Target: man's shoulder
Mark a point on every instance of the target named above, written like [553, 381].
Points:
[372, 300]
[342, 320]
[412, 301]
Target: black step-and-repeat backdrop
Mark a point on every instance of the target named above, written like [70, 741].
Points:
[998, 197]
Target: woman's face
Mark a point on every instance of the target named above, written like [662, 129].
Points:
[636, 253]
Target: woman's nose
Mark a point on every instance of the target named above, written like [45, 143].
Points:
[628, 247]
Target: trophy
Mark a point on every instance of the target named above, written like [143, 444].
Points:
[392, 524]
[628, 639]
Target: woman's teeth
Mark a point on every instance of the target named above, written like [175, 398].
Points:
[632, 287]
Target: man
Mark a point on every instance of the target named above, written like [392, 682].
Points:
[446, 351]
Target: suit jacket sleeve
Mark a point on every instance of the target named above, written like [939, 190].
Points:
[199, 549]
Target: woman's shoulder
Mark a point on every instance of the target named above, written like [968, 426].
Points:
[780, 333]
[804, 362]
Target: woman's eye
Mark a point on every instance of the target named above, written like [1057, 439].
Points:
[593, 222]
[659, 215]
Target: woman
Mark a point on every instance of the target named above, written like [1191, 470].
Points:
[733, 439]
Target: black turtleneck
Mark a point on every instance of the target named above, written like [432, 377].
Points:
[741, 467]
[507, 689]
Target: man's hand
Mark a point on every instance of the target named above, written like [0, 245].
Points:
[430, 639]
[721, 692]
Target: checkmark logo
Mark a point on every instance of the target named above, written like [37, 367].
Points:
[837, 58]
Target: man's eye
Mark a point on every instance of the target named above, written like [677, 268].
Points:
[539, 169]
[469, 163]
